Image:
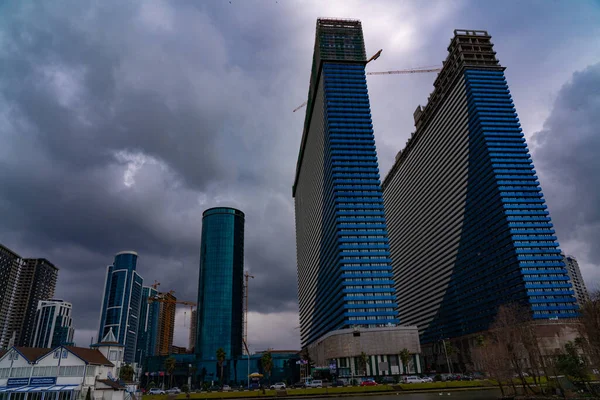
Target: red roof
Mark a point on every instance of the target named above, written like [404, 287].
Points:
[112, 384]
[91, 356]
[32, 354]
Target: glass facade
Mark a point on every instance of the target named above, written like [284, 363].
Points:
[148, 327]
[468, 223]
[121, 303]
[53, 324]
[220, 286]
[344, 268]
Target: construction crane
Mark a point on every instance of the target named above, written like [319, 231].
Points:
[407, 71]
[162, 298]
[373, 58]
[155, 285]
[247, 277]
[418, 70]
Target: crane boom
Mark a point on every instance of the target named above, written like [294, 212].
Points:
[406, 71]
[300, 106]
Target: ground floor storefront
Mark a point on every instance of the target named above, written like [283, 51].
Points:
[57, 392]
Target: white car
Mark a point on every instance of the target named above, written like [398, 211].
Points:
[226, 388]
[314, 384]
[174, 390]
[155, 391]
[412, 379]
[278, 386]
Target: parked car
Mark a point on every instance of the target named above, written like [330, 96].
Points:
[389, 380]
[226, 388]
[338, 383]
[411, 379]
[368, 382]
[426, 379]
[278, 386]
[156, 391]
[315, 384]
[174, 390]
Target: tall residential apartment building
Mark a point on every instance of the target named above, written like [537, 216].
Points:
[581, 293]
[193, 323]
[148, 324]
[23, 283]
[343, 260]
[10, 321]
[40, 275]
[468, 224]
[220, 285]
[120, 308]
[166, 324]
[53, 324]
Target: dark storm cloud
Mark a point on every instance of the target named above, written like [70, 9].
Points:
[120, 125]
[120, 122]
[567, 154]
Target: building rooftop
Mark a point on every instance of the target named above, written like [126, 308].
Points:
[91, 356]
[127, 252]
[32, 354]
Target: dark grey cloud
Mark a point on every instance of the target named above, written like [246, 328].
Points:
[566, 154]
[120, 122]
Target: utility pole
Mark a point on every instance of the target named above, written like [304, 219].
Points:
[447, 359]
[247, 276]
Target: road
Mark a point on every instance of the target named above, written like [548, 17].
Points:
[490, 394]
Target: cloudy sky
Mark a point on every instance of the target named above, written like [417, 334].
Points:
[120, 122]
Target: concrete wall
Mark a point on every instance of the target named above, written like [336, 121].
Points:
[374, 341]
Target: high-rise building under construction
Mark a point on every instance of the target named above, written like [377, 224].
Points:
[468, 224]
[343, 259]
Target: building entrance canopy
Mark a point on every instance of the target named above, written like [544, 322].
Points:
[29, 392]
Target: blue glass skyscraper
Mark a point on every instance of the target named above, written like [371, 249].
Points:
[344, 267]
[121, 303]
[220, 286]
[148, 324]
[468, 224]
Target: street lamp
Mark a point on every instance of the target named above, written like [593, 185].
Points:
[447, 359]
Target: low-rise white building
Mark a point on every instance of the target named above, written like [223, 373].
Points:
[62, 373]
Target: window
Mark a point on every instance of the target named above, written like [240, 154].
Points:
[112, 355]
[65, 353]
[74, 370]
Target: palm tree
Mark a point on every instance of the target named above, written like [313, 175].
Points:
[362, 362]
[267, 364]
[170, 367]
[405, 356]
[221, 355]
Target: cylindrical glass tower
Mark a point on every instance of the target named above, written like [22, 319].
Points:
[220, 286]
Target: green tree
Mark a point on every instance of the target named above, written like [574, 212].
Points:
[170, 367]
[363, 359]
[221, 355]
[405, 356]
[126, 373]
[267, 364]
[571, 364]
